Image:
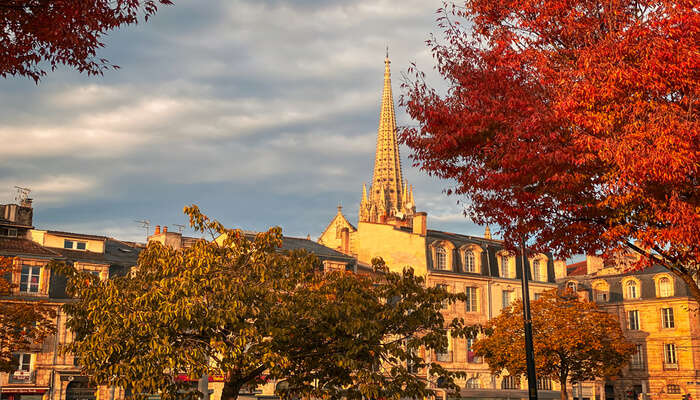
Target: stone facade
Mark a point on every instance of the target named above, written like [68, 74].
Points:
[479, 266]
[658, 315]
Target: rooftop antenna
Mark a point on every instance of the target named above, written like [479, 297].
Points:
[180, 228]
[22, 194]
[145, 224]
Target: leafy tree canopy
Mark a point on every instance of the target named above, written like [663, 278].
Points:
[242, 309]
[573, 340]
[22, 324]
[37, 34]
[571, 122]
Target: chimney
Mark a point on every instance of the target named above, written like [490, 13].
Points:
[165, 229]
[345, 240]
[419, 222]
[157, 232]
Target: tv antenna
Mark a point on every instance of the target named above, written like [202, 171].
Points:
[145, 224]
[22, 194]
[180, 228]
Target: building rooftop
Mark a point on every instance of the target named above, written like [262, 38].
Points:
[25, 247]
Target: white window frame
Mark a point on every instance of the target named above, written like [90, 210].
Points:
[632, 289]
[441, 258]
[536, 272]
[27, 282]
[25, 362]
[667, 318]
[638, 357]
[630, 325]
[670, 355]
[506, 298]
[665, 287]
[505, 266]
[469, 261]
[472, 302]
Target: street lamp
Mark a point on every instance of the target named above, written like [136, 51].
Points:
[527, 319]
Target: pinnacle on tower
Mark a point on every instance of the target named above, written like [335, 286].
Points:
[487, 233]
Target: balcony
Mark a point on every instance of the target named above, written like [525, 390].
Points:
[670, 366]
[22, 378]
[444, 357]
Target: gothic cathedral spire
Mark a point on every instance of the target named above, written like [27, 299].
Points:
[386, 195]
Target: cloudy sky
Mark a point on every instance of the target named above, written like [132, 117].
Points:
[261, 112]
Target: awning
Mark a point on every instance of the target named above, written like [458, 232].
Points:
[24, 390]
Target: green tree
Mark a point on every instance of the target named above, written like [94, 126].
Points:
[22, 324]
[244, 310]
[573, 340]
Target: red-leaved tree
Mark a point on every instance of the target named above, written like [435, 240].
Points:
[40, 34]
[573, 123]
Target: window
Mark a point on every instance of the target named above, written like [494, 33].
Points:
[510, 382]
[72, 244]
[633, 320]
[24, 362]
[536, 275]
[505, 270]
[673, 389]
[472, 303]
[571, 286]
[507, 297]
[665, 288]
[544, 384]
[29, 279]
[667, 318]
[600, 291]
[670, 359]
[8, 232]
[538, 296]
[632, 292]
[473, 383]
[471, 358]
[637, 361]
[445, 303]
[469, 261]
[441, 258]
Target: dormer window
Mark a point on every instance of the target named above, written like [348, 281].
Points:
[74, 244]
[600, 291]
[505, 270]
[469, 261]
[536, 273]
[632, 290]
[440, 258]
[665, 288]
[571, 285]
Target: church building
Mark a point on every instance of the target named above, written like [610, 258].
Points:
[389, 226]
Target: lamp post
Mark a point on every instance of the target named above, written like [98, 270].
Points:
[527, 319]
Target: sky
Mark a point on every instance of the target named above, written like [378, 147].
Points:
[262, 113]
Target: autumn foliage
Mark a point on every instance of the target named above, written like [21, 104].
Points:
[241, 309]
[41, 34]
[573, 123]
[22, 324]
[574, 341]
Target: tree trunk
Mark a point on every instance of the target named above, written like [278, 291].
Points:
[692, 285]
[231, 389]
[564, 393]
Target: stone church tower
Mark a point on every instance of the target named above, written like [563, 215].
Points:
[389, 197]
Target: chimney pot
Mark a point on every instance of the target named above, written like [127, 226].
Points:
[157, 231]
[165, 229]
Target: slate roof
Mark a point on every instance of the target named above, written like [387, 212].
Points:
[122, 253]
[321, 251]
[80, 255]
[24, 247]
[77, 235]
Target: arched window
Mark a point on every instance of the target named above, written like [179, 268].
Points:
[632, 290]
[571, 285]
[441, 258]
[536, 272]
[473, 383]
[505, 268]
[469, 261]
[665, 287]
